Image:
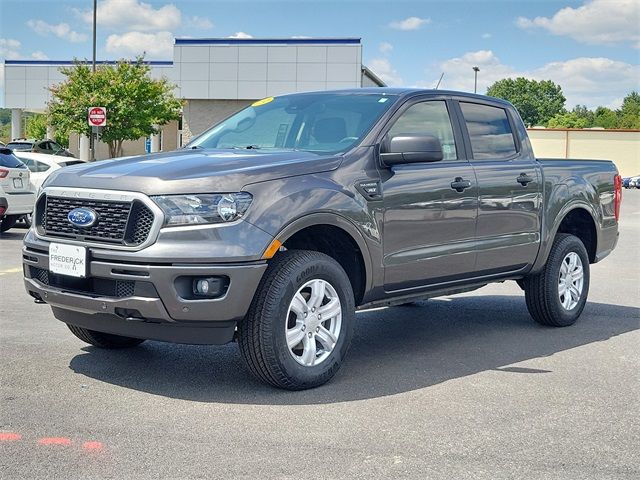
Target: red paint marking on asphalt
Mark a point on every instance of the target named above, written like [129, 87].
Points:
[92, 446]
[9, 437]
[54, 441]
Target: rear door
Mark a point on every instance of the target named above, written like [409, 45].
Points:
[429, 227]
[509, 187]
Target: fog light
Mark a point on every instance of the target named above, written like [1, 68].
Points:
[208, 286]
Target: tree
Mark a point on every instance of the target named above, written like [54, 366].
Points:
[136, 104]
[36, 127]
[537, 101]
[567, 120]
[629, 113]
[605, 118]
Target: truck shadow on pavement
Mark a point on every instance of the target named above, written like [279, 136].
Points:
[395, 350]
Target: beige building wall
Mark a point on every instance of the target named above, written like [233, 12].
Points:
[621, 146]
[199, 115]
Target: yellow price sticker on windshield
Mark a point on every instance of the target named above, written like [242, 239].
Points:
[262, 102]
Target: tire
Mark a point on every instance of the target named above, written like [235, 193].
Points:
[265, 334]
[27, 219]
[8, 222]
[543, 291]
[104, 340]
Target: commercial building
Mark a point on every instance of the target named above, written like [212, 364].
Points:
[214, 76]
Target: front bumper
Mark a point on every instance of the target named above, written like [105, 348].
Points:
[145, 300]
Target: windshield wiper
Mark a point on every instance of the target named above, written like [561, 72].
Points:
[246, 147]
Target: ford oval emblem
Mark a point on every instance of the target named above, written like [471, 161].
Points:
[82, 217]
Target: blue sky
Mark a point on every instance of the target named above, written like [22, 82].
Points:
[591, 48]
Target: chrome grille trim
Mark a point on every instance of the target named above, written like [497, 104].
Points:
[90, 194]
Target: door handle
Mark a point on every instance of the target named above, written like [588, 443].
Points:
[460, 184]
[524, 179]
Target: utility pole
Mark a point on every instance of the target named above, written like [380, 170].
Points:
[92, 142]
[475, 79]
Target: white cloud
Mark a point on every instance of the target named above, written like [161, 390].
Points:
[385, 47]
[154, 45]
[202, 23]
[126, 15]
[486, 35]
[9, 48]
[39, 55]
[586, 80]
[60, 30]
[383, 69]
[241, 35]
[410, 23]
[597, 22]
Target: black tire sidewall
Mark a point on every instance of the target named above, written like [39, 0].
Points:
[322, 269]
[563, 248]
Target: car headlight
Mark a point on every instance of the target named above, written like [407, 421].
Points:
[203, 208]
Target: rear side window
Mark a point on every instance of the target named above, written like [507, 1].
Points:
[9, 160]
[489, 131]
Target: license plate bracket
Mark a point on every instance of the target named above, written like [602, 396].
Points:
[70, 260]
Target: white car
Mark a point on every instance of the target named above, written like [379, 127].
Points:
[42, 165]
[15, 188]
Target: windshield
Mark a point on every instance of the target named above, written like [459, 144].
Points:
[315, 122]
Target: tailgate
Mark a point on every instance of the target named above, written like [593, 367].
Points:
[14, 180]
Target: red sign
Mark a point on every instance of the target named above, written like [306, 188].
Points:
[97, 117]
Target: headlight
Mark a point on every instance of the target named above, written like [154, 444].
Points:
[203, 208]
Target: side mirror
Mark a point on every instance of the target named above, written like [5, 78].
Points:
[401, 149]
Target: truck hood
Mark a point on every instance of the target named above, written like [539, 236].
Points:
[193, 171]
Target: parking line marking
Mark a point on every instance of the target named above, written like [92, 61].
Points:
[9, 437]
[54, 441]
[11, 270]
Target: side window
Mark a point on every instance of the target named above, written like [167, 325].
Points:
[428, 118]
[30, 164]
[41, 166]
[489, 131]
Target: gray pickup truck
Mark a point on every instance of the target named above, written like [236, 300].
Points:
[275, 225]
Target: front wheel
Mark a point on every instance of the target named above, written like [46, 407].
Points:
[557, 295]
[300, 324]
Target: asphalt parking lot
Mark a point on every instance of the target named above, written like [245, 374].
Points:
[459, 387]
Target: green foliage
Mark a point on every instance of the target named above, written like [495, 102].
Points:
[136, 104]
[605, 118]
[36, 127]
[629, 114]
[568, 120]
[537, 101]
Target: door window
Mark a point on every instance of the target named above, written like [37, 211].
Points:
[428, 118]
[489, 131]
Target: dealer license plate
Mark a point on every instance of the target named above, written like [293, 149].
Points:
[68, 260]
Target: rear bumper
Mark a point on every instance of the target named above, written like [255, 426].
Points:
[19, 203]
[146, 301]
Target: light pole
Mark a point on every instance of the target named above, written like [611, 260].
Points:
[475, 79]
[92, 140]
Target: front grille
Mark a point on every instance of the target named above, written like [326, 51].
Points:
[119, 223]
[103, 287]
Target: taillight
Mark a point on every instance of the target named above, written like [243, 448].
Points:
[3, 173]
[617, 196]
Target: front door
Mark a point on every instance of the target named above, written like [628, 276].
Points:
[429, 224]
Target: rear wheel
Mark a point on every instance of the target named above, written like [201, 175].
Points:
[300, 323]
[27, 219]
[104, 340]
[8, 222]
[557, 295]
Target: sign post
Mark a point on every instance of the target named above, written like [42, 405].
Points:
[97, 118]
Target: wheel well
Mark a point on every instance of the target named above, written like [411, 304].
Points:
[340, 246]
[579, 222]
